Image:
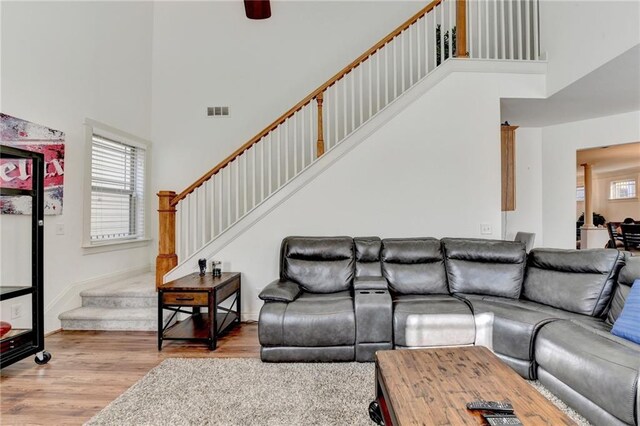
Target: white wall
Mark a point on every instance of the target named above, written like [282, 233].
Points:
[433, 170]
[63, 62]
[581, 35]
[527, 217]
[559, 146]
[210, 54]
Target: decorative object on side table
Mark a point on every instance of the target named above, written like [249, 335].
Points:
[202, 264]
[216, 268]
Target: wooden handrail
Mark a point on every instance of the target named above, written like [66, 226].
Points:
[305, 101]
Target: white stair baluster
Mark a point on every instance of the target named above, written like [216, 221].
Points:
[503, 29]
[520, 35]
[278, 156]
[527, 22]
[511, 35]
[286, 151]
[536, 35]
[228, 222]
[352, 78]
[370, 64]
[487, 52]
[294, 120]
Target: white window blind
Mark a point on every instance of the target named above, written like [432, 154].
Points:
[622, 189]
[117, 190]
[580, 193]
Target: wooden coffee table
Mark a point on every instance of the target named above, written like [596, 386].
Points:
[433, 386]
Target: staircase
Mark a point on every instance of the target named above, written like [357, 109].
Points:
[225, 197]
[129, 304]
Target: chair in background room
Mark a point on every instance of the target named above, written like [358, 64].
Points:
[631, 236]
[527, 238]
[615, 239]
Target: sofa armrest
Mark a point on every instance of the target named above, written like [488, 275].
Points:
[370, 283]
[280, 291]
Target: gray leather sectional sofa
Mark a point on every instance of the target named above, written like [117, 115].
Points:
[547, 314]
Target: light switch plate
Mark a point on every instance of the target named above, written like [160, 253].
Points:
[16, 311]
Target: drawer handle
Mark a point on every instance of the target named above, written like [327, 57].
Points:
[184, 298]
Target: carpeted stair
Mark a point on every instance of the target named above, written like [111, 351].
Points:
[131, 304]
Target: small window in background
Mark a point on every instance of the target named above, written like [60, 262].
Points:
[622, 189]
[117, 190]
[580, 193]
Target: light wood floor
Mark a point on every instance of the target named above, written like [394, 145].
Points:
[89, 369]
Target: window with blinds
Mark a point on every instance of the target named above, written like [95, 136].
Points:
[580, 193]
[622, 189]
[117, 190]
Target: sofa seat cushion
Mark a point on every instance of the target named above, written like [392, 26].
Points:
[311, 320]
[597, 365]
[551, 312]
[508, 327]
[432, 320]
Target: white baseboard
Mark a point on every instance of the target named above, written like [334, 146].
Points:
[70, 297]
[249, 316]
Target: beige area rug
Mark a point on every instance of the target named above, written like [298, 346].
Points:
[183, 391]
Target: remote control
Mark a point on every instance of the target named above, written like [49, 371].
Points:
[498, 407]
[502, 419]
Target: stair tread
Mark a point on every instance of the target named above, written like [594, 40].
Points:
[138, 286]
[111, 314]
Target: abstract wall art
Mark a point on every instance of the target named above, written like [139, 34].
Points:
[17, 173]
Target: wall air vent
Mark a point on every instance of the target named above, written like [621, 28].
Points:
[218, 111]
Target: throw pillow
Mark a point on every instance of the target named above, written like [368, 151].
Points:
[627, 325]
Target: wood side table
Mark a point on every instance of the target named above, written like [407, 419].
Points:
[195, 292]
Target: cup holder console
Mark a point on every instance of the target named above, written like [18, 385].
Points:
[373, 309]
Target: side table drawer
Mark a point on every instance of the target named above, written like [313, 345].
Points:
[188, 299]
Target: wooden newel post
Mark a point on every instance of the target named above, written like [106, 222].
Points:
[461, 29]
[167, 258]
[320, 128]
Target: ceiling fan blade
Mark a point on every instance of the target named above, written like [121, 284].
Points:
[257, 9]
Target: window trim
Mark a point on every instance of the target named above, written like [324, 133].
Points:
[627, 179]
[94, 127]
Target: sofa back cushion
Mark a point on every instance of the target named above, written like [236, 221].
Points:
[414, 265]
[579, 281]
[487, 267]
[318, 264]
[368, 256]
[628, 274]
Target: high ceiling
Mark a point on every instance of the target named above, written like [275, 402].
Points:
[614, 88]
[608, 159]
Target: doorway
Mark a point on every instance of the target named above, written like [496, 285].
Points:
[607, 181]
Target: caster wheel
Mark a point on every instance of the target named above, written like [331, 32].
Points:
[46, 357]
